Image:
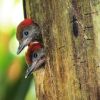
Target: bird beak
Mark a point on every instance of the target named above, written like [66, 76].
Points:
[20, 48]
[23, 44]
[35, 65]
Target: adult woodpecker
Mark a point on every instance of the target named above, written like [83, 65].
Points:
[27, 31]
[35, 57]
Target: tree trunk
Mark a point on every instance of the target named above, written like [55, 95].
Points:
[70, 70]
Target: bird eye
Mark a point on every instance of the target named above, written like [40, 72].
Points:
[25, 33]
[35, 55]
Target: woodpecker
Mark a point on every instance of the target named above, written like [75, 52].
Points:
[35, 57]
[27, 31]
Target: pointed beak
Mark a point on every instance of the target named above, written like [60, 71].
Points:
[35, 65]
[20, 48]
[23, 44]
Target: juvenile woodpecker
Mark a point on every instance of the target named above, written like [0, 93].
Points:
[27, 31]
[35, 57]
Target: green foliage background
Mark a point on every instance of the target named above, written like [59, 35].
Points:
[13, 85]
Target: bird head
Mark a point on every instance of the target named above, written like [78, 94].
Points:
[35, 57]
[27, 31]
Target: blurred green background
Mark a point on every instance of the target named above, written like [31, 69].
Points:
[13, 85]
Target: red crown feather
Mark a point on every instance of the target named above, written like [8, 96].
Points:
[26, 22]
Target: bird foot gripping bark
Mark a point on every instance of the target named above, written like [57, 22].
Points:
[29, 34]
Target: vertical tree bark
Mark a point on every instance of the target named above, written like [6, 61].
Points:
[96, 22]
[70, 71]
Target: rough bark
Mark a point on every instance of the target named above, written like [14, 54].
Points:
[96, 22]
[70, 70]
